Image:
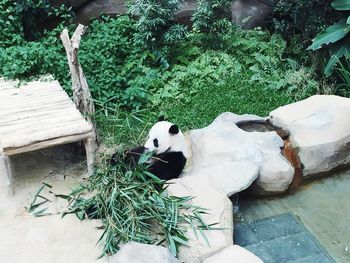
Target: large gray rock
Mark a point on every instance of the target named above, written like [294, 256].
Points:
[95, 8]
[73, 3]
[228, 177]
[188, 7]
[222, 142]
[77, 3]
[251, 13]
[220, 211]
[320, 131]
[234, 254]
[133, 252]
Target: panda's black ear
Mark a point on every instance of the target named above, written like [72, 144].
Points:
[174, 129]
[161, 118]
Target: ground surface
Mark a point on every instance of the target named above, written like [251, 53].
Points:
[29, 239]
[280, 238]
[322, 206]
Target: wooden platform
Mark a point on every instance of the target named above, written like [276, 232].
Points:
[34, 116]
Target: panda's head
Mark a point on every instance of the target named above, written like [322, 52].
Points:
[164, 137]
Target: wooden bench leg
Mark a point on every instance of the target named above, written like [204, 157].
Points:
[6, 174]
[90, 148]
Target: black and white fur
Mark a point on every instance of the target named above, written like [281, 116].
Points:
[168, 145]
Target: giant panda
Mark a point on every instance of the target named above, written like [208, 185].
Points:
[168, 145]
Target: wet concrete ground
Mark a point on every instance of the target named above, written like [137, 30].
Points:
[323, 206]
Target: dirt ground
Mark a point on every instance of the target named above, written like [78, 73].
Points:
[29, 239]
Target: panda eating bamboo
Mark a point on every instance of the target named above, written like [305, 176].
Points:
[169, 151]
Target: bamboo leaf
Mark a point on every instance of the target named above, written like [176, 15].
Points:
[172, 246]
[67, 197]
[46, 184]
[181, 241]
[41, 212]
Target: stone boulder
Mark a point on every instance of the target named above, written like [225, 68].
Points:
[319, 130]
[228, 177]
[133, 252]
[222, 142]
[188, 7]
[234, 254]
[77, 3]
[95, 8]
[72, 3]
[251, 13]
[220, 211]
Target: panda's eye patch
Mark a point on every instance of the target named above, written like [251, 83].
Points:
[155, 143]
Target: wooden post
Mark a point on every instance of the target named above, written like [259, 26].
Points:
[6, 174]
[81, 93]
[90, 155]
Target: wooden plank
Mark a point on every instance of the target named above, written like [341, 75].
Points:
[22, 139]
[34, 115]
[8, 100]
[28, 89]
[24, 89]
[47, 143]
[20, 111]
[27, 139]
[47, 123]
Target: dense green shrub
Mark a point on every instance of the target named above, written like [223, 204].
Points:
[156, 22]
[123, 74]
[118, 69]
[335, 37]
[209, 14]
[11, 29]
[210, 23]
[22, 20]
[250, 76]
[32, 59]
[299, 21]
[303, 17]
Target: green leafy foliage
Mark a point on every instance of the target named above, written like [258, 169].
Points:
[210, 22]
[303, 18]
[334, 34]
[250, 76]
[11, 29]
[156, 23]
[32, 59]
[343, 71]
[209, 14]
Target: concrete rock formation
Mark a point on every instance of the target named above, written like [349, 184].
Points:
[222, 141]
[133, 252]
[319, 130]
[228, 177]
[247, 13]
[234, 254]
[251, 13]
[93, 9]
[220, 211]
